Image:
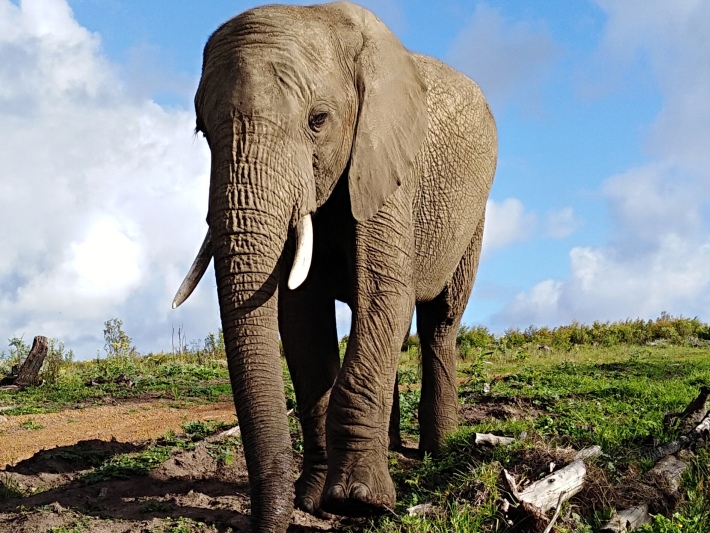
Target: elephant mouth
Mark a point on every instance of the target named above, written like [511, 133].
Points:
[299, 269]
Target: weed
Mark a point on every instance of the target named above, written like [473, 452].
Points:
[155, 507]
[9, 488]
[408, 408]
[183, 525]
[31, 424]
[78, 526]
[118, 343]
[127, 465]
[199, 430]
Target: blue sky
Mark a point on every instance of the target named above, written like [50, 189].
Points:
[599, 210]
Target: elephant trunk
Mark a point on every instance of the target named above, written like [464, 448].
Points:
[253, 202]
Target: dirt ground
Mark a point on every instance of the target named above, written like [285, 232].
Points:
[50, 459]
[124, 423]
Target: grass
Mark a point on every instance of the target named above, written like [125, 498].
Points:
[31, 424]
[175, 377]
[570, 387]
[612, 396]
[127, 465]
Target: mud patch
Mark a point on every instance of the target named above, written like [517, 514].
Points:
[192, 484]
[487, 408]
[43, 483]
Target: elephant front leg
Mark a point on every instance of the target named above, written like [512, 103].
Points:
[358, 481]
[309, 336]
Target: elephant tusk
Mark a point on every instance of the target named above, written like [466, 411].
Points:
[304, 251]
[197, 270]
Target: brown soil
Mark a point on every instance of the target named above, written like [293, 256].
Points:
[496, 408]
[123, 423]
[46, 465]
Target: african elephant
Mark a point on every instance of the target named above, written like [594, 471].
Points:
[367, 168]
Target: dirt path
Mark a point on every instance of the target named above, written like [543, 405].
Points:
[192, 484]
[22, 436]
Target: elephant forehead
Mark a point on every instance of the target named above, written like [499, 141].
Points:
[281, 77]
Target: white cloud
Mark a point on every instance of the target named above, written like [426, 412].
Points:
[343, 318]
[605, 286]
[103, 194]
[657, 255]
[562, 223]
[510, 61]
[506, 222]
[673, 38]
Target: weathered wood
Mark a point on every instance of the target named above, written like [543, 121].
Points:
[29, 371]
[539, 497]
[692, 415]
[423, 509]
[556, 514]
[684, 441]
[589, 453]
[667, 473]
[492, 440]
[545, 493]
[627, 520]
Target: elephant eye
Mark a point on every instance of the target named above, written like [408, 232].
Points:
[317, 121]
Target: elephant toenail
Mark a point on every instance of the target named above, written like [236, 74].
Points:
[336, 492]
[306, 504]
[360, 492]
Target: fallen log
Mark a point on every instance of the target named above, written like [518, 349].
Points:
[667, 474]
[684, 441]
[548, 493]
[545, 493]
[627, 520]
[668, 470]
[692, 414]
[492, 440]
[589, 453]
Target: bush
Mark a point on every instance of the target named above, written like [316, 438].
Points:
[118, 343]
[53, 363]
[470, 338]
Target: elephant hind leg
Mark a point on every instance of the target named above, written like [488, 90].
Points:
[438, 323]
[309, 336]
[394, 430]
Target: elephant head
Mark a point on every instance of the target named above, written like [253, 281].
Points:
[290, 100]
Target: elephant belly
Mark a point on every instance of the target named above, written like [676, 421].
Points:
[438, 254]
[455, 168]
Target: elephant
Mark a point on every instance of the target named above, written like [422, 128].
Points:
[343, 168]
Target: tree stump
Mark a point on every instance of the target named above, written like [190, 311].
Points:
[28, 374]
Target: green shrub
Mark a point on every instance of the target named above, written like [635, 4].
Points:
[118, 343]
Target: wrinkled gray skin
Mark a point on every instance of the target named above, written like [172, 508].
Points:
[320, 110]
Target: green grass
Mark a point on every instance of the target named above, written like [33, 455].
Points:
[612, 396]
[9, 488]
[573, 386]
[79, 526]
[174, 377]
[127, 465]
[31, 424]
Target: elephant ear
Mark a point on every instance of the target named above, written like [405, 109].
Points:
[392, 113]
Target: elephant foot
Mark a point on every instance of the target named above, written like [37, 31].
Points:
[364, 489]
[309, 487]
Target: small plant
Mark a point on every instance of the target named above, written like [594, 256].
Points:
[56, 360]
[9, 488]
[78, 526]
[199, 429]
[31, 424]
[127, 465]
[155, 507]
